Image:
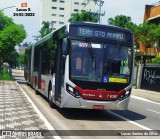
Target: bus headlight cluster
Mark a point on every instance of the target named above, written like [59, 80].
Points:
[74, 92]
[125, 95]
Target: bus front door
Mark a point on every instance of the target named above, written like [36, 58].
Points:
[58, 76]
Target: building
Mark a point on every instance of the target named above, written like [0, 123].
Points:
[152, 15]
[21, 48]
[58, 12]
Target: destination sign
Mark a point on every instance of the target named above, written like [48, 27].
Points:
[108, 34]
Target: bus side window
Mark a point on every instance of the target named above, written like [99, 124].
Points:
[64, 53]
[64, 46]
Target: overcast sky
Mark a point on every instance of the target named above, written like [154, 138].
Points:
[132, 8]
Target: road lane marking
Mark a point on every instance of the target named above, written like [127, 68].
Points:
[144, 99]
[153, 111]
[48, 125]
[128, 120]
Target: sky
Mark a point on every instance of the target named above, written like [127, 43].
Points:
[112, 8]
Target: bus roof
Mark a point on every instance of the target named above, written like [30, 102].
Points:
[44, 38]
[49, 36]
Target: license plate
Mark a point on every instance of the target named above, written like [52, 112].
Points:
[98, 107]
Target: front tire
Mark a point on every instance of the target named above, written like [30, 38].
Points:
[50, 94]
[36, 91]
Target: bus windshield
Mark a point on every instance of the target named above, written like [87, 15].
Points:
[100, 62]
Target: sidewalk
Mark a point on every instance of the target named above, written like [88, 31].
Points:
[150, 95]
[16, 112]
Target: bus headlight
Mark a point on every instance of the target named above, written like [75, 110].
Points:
[125, 95]
[74, 92]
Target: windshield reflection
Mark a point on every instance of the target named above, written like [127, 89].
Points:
[97, 62]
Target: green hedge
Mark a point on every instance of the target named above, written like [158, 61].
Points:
[5, 75]
[156, 60]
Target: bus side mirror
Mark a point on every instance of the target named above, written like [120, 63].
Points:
[64, 58]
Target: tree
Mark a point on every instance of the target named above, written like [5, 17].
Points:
[11, 34]
[4, 21]
[149, 34]
[13, 59]
[125, 22]
[21, 59]
[154, 35]
[122, 21]
[45, 29]
[9, 37]
[84, 16]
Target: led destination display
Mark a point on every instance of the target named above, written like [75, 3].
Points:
[108, 34]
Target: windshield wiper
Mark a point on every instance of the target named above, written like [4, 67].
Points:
[91, 53]
[114, 54]
[90, 49]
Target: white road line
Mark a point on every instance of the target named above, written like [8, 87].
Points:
[48, 125]
[153, 111]
[144, 99]
[128, 120]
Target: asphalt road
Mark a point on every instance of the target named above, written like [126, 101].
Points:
[150, 113]
[141, 115]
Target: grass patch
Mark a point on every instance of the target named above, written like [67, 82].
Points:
[5, 75]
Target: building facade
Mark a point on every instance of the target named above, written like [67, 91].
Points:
[152, 15]
[58, 12]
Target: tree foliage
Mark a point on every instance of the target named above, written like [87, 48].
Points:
[11, 34]
[4, 21]
[45, 30]
[156, 60]
[21, 59]
[9, 37]
[125, 22]
[84, 16]
[148, 34]
[13, 59]
[122, 21]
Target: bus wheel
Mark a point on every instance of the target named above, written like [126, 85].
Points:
[52, 105]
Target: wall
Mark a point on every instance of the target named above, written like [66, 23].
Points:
[151, 78]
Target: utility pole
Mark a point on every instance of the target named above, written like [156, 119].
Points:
[100, 7]
[99, 12]
[36, 38]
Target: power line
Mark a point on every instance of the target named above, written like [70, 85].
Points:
[7, 8]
